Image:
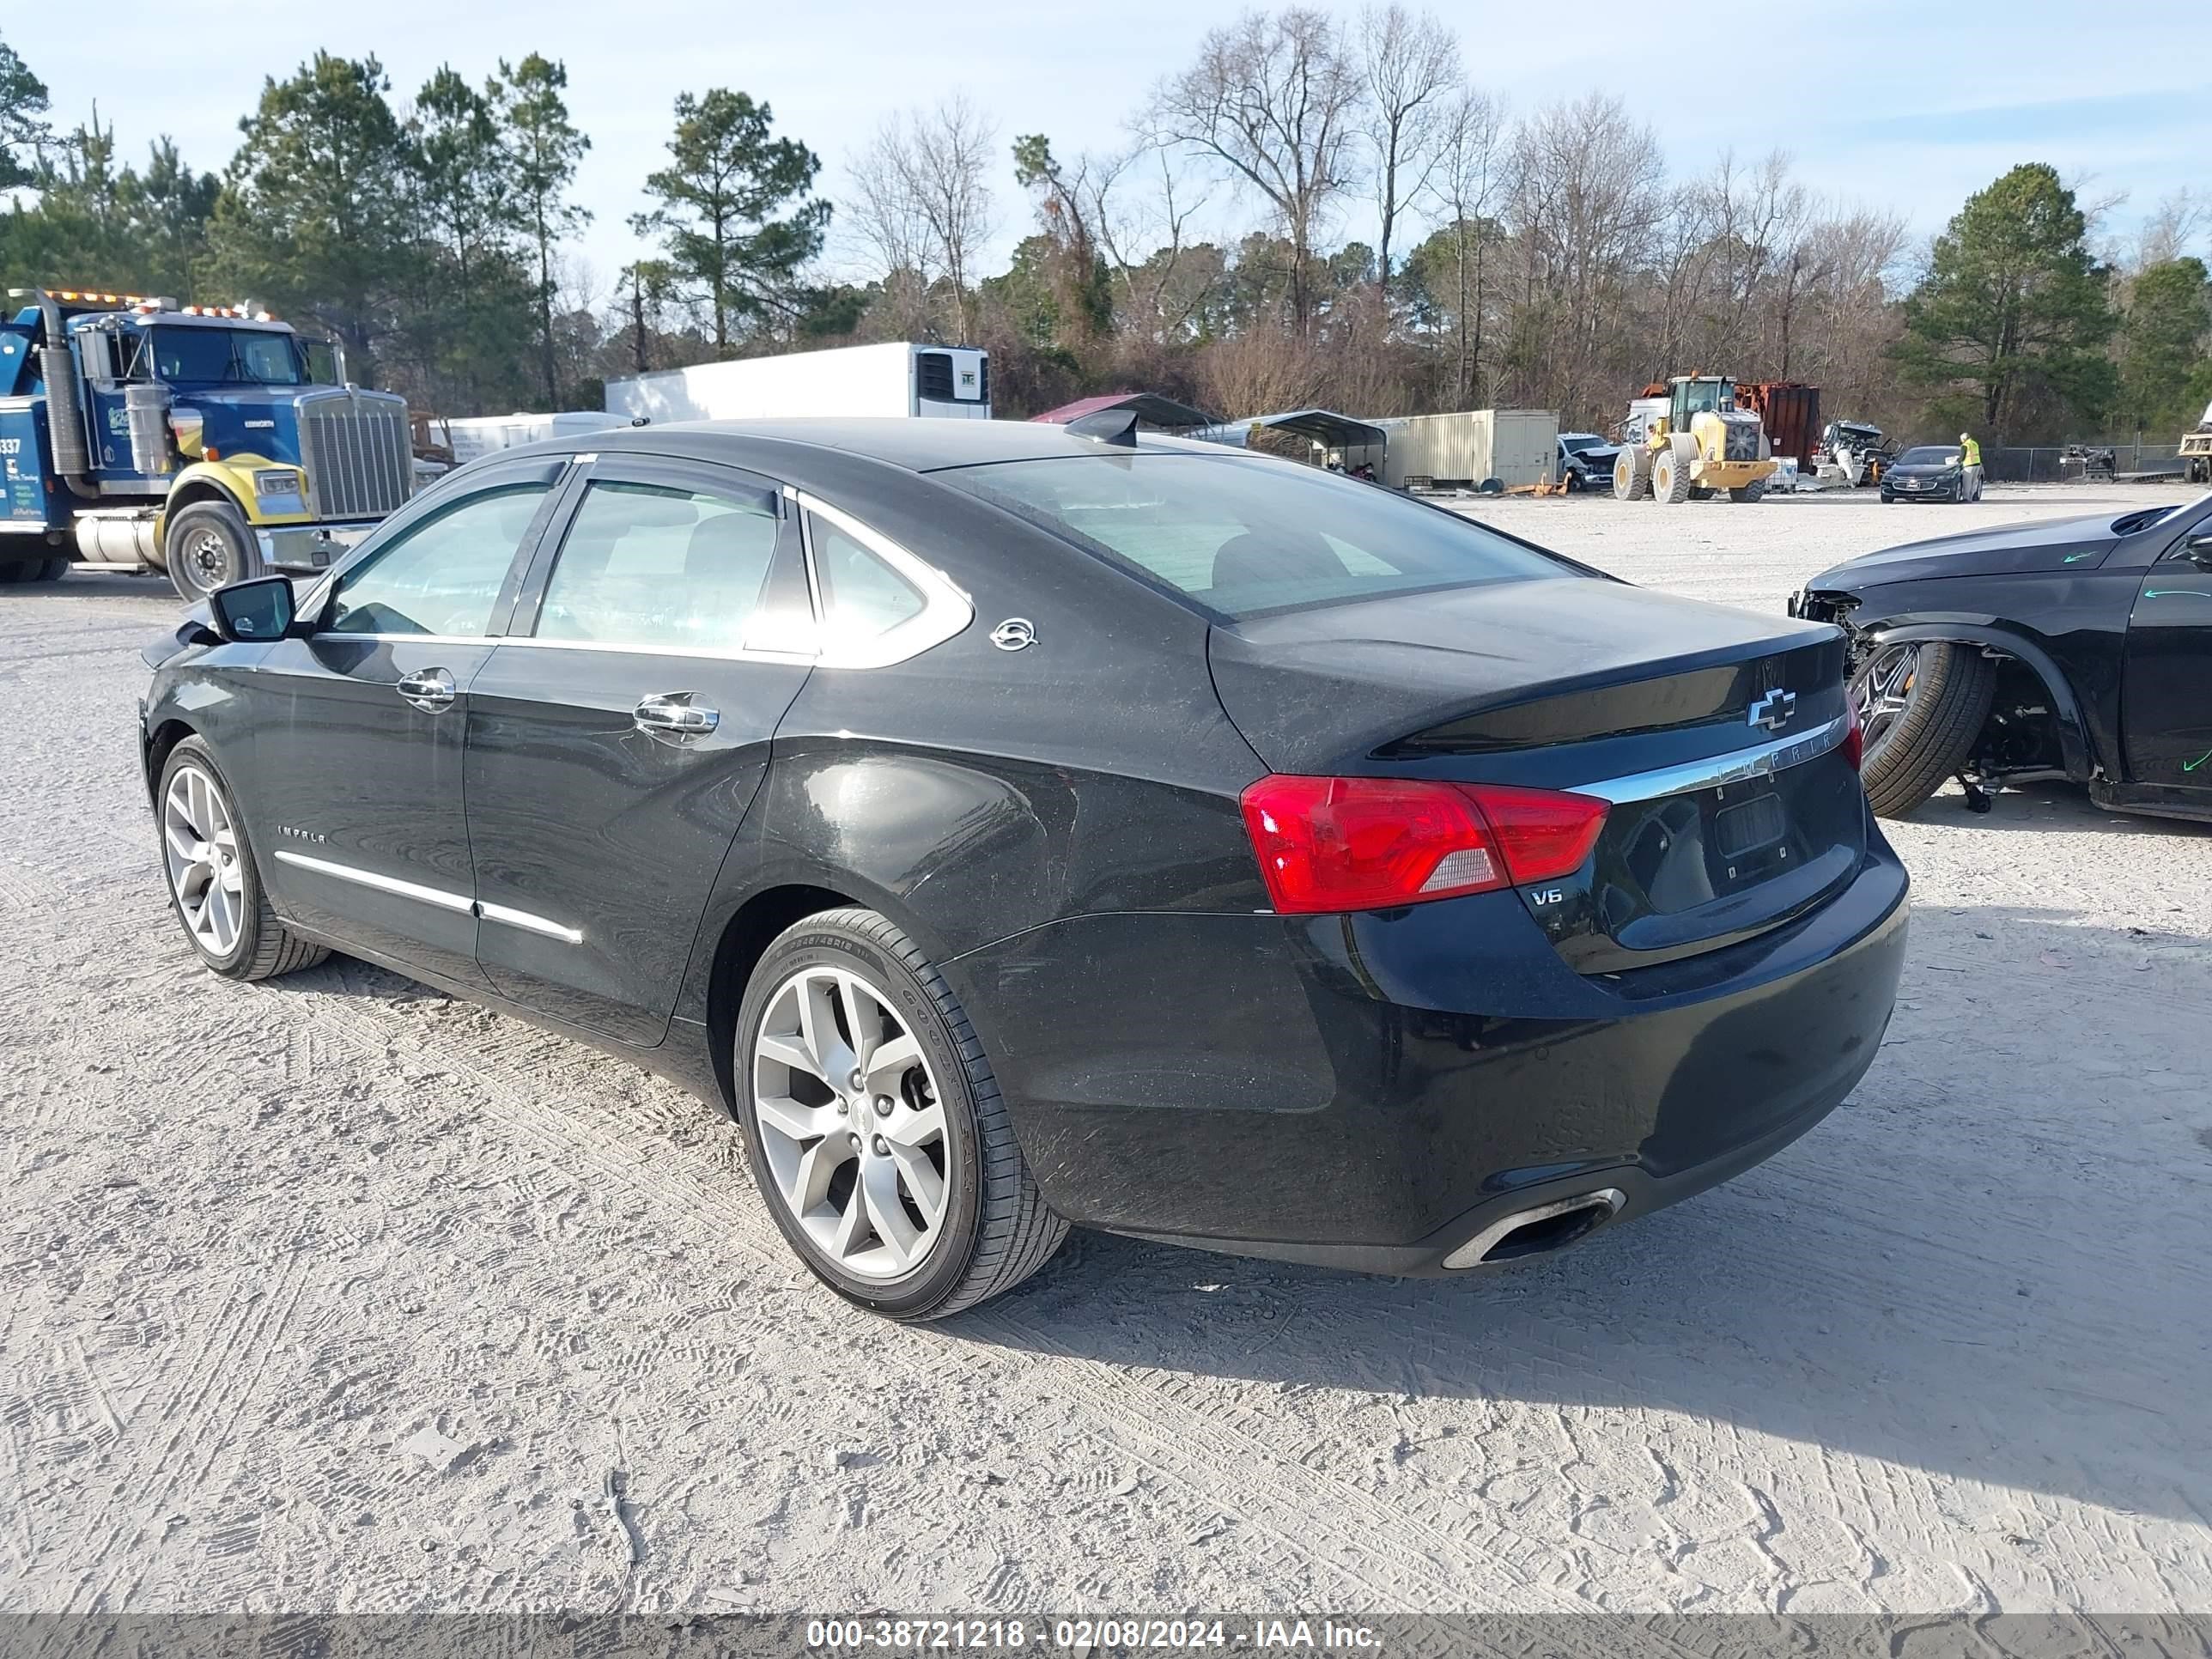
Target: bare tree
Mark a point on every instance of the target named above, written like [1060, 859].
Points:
[1756, 218]
[2170, 232]
[882, 209]
[922, 202]
[1465, 186]
[1273, 98]
[1681, 260]
[951, 153]
[1411, 68]
[1162, 290]
[1588, 190]
[1850, 321]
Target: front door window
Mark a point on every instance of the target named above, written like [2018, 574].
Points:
[442, 575]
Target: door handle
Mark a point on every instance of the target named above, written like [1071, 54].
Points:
[430, 690]
[672, 717]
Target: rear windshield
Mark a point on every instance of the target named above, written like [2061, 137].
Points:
[1243, 537]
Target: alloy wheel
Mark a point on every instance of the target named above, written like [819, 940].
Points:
[851, 1123]
[1882, 691]
[199, 845]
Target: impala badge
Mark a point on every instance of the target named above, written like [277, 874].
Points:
[1773, 710]
[1015, 634]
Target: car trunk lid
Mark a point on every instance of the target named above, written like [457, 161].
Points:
[1717, 734]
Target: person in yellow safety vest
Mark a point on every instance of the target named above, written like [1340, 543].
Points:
[1970, 476]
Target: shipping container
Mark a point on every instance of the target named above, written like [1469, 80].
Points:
[1791, 413]
[897, 378]
[1458, 451]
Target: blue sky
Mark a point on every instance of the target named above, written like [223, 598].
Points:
[1913, 111]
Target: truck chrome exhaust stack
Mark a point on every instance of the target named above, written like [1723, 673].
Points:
[1540, 1229]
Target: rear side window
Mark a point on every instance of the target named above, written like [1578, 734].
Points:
[440, 574]
[1243, 537]
[659, 565]
[862, 597]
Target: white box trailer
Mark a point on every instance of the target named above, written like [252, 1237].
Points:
[899, 377]
[1457, 451]
[475, 435]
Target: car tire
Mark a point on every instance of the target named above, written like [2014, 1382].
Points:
[208, 545]
[240, 936]
[1928, 720]
[858, 1215]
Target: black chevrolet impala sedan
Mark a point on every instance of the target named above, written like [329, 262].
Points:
[1016, 828]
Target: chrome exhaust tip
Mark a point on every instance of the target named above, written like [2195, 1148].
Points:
[1540, 1229]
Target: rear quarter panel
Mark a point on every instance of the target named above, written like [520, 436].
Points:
[972, 793]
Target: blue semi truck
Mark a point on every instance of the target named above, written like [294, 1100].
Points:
[201, 441]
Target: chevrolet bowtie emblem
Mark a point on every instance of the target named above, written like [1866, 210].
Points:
[1773, 710]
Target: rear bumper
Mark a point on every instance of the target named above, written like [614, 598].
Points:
[1370, 1092]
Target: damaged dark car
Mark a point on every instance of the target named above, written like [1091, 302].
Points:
[2079, 649]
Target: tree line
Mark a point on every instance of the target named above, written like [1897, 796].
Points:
[1548, 258]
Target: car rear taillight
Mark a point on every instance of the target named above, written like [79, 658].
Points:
[1854, 737]
[1375, 843]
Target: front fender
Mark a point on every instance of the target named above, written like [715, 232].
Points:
[2077, 743]
[229, 479]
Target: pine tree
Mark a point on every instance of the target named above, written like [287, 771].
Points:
[2163, 346]
[2011, 321]
[313, 216]
[22, 126]
[727, 181]
[545, 147]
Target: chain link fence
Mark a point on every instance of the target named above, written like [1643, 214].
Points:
[2040, 464]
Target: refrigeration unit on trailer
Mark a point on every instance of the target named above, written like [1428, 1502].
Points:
[898, 378]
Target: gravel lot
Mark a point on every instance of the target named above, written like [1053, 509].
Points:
[335, 1294]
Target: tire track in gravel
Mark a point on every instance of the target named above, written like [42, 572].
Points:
[197, 1434]
[714, 1213]
[1295, 1505]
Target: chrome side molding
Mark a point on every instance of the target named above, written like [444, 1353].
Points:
[460, 903]
[382, 883]
[508, 917]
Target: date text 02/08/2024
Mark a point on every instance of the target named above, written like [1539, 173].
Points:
[1087, 1635]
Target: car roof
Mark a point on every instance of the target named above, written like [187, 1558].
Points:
[920, 445]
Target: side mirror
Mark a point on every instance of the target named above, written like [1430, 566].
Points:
[2198, 549]
[253, 612]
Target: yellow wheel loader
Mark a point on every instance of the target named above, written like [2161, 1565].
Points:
[1696, 445]
[2197, 450]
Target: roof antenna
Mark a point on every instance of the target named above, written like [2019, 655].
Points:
[1108, 426]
